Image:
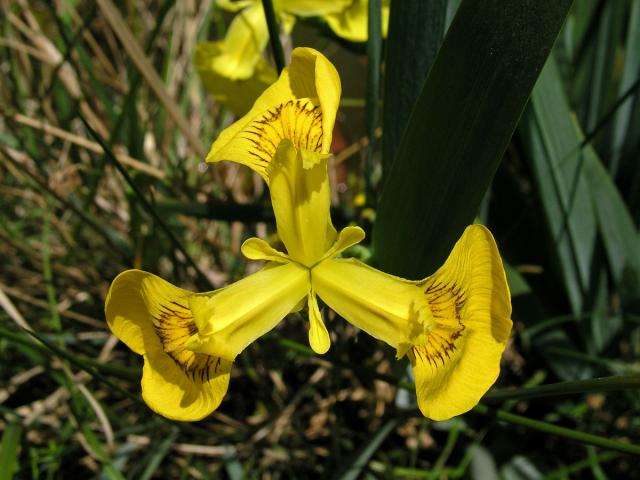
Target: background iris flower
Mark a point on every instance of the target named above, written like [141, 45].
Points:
[234, 70]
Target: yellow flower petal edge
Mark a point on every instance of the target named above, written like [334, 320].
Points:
[151, 317]
[300, 106]
[453, 325]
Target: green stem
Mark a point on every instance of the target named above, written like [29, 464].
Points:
[374, 49]
[274, 34]
[602, 384]
[582, 437]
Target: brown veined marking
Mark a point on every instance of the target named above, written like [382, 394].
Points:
[174, 326]
[297, 120]
[446, 301]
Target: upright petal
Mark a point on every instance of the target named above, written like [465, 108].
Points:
[247, 309]
[299, 187]
[470, 302]
[300, 107]
[152, 317]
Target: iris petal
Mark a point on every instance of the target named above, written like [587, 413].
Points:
[301, 107]
[471, 304]
[318, 334]
[453, 325]
[300, 196]
[151, 316]
[247, 309]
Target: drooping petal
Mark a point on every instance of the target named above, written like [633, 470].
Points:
[470, 302]
[301, 107]
[243, 44]
[152, 317]
[380, 304]
[236, 95]
[318, 335]
[299, 188]
[351, 23]
[247, 309]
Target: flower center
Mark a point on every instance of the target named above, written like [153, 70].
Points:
[299, 121]
[174, 325]
[437, 342]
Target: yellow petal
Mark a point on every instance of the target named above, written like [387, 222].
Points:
[300, 107]
[257, 249]
[348, 237]
[236, 95]
[247, 309]
[312, 8]
[152, 317]
[299, 187]
[318, 334]
[470, 302]
[243, 44]
[380, 304]
[351, 23]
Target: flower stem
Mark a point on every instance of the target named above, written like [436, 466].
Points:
[592, 385]
[274, 34]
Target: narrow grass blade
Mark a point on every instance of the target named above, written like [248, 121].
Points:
[161, 450]
[592, 385]
[353, 470]
[460, 127]
[550, 428]
[629, 75]
[9, 450]
[416, 29]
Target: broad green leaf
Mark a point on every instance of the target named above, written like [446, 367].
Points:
[460, 127]
[619, 234]
[631, 72]
[556, 159]
[416, 29]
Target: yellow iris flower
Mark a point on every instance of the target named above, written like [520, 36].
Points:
[234, 70]
[453, 325]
